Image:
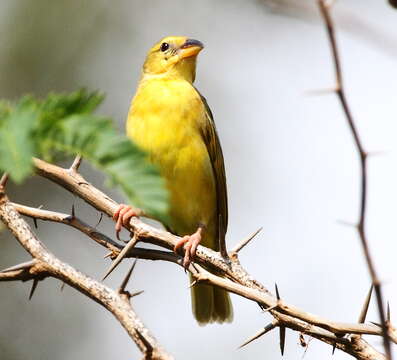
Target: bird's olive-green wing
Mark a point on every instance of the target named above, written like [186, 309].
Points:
[214, 149]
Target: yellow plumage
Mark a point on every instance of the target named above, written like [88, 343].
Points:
[171, 121]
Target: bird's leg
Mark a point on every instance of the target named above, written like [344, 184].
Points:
[190, 243]
[123, 215]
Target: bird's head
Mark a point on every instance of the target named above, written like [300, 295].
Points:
[173, 56]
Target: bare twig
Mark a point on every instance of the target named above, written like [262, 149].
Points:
[70, 220]
[94, 234]
[324, 8]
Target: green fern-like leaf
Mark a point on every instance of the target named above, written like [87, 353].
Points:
[54, 110]
[16, 143]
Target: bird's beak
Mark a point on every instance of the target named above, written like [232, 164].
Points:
[190, 48]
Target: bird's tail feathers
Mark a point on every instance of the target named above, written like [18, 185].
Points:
[211, 304]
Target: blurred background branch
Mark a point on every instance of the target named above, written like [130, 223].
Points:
[325, 7]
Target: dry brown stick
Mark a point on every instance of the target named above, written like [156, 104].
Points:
[242, 284]
[49, 265]
[94, 234]
[340, 91]
[45, 215]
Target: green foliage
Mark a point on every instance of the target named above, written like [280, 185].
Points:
[64, 124]
[16, 145]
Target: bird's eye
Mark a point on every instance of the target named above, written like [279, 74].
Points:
[164, 46]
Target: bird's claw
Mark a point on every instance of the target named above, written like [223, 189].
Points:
[190, 243]
[123, 215]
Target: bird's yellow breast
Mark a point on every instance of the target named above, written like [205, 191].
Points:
[165, 119]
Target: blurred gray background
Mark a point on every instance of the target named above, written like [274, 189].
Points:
[291, 165]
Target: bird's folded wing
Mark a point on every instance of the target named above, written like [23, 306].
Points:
[214, 149]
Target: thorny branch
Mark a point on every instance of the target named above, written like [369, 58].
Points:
[363, 155]
[94, 234]
[230, 275]
[45, 264]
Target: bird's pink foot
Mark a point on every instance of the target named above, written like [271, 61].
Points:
[123, 215]
[190, 243]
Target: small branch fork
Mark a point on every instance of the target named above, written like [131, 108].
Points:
[325, 6]
[230, 275]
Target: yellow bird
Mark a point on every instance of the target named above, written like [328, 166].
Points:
[170, 120]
